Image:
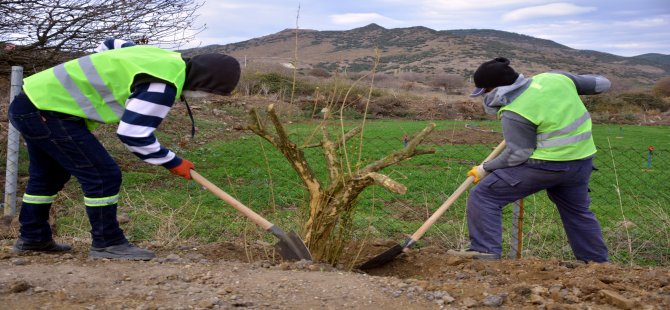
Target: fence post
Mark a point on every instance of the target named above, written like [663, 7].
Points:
[13, 139]
[516, 242]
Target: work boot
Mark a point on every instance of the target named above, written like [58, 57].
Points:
[122, 251]
[473, 254]
[22, 246]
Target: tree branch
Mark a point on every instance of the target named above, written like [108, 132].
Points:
[400, 155]
[385, 181]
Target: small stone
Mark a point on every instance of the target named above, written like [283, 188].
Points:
[20, 261]
[123, 218]
[172, 258]
[536, 299]
[208, 303]
[19, 286]
[617, 300]
[469, 302]
[494, 300]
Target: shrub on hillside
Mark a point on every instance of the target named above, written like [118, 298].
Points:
[662, 87]
[645, 101]
[265, 83]
[319, 72]
[606, 104]
[388, 106]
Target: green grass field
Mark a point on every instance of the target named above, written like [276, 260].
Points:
[632, 202]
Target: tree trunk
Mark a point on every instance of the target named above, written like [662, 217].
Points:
[328, 205]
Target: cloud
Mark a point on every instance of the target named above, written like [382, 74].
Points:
[455, 6]
[552, 9]
[644, 23]
[360, 18]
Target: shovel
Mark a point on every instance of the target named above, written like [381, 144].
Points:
[396, 250]
[290, 246]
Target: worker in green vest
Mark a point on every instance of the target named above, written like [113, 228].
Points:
[126, 84]
[549, 147]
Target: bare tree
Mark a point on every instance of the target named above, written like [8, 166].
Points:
[330, 202]
[38, 33]
[450, 82]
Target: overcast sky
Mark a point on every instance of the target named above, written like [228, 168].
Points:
[621, 27]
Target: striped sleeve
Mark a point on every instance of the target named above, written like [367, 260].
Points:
[145, 110]
[111, 43]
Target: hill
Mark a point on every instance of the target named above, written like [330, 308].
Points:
[424, 50]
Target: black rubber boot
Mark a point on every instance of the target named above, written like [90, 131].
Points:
[122, 251]
[105, 229]
[22, 246]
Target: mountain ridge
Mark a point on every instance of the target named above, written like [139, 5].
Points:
[424, 50]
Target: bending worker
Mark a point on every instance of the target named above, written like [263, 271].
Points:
[134, 86]
[549, 147]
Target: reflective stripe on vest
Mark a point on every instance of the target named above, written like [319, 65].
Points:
[543, 139]
[35, 199]
[96, 81]
[102, 201]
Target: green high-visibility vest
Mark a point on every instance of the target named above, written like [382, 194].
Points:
[563, 124]
[96, 87]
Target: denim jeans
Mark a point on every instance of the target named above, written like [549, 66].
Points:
[60, 146]
[567, 185]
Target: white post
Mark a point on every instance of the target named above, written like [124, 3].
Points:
[13, 139]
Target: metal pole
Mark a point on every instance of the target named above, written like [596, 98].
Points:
[516, 240]
[13, 139]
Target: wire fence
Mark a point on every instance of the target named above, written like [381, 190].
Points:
[630, 196]
[629, 191]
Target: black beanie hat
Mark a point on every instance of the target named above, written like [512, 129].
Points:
[494, 73]
[212, 73]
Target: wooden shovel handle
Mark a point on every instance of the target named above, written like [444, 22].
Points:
[265, 224]
[433, 218]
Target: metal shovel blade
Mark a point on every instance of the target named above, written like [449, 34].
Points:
[382, 259]
[290, 246]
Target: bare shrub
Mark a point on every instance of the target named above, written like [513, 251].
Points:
[388, 106]
[319, 72]
[645, 101]
[662, 87]
[451, 83]
[408, 86]
[411, 76]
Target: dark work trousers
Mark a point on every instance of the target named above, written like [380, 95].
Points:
[59, 146]
[567, 186]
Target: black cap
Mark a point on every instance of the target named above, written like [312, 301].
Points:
[212, 73]
[493, 73]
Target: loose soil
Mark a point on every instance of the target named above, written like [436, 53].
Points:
[224, 276]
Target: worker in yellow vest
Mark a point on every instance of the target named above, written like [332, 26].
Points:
[132, 85]
[549, 147]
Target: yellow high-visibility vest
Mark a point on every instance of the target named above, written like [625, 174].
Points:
[563, 124]
[95, 87]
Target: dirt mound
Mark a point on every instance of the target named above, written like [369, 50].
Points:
[228, 275]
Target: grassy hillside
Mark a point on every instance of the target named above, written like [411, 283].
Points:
[424, 50]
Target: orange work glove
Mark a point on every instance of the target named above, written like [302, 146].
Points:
[478, 172]
[184, 169]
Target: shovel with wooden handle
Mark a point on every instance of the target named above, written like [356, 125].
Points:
[396, 250]
[290, 246]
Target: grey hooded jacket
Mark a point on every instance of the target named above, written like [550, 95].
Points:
[519, 133]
